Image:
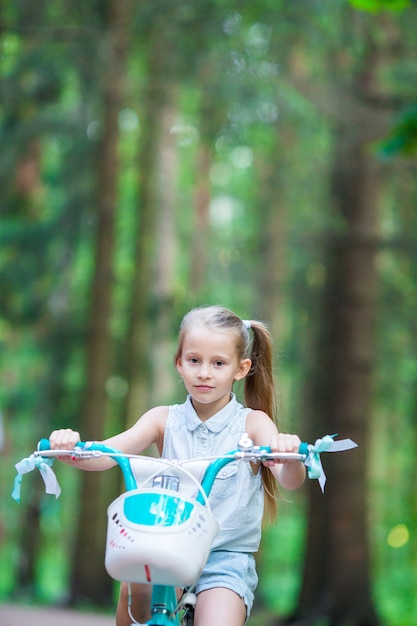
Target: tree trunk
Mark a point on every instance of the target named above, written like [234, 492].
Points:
[30, 541]
[211, 115]
[138, 365]
[336, 580]
[273, 235]
[163, 385]
[336, 586]
[88, 578]
[199, 262]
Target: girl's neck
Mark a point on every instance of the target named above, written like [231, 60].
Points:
[206, 411]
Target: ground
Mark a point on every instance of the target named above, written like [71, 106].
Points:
[15, 615]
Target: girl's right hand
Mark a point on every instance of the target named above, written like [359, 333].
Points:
[67, 439]
[64, 439]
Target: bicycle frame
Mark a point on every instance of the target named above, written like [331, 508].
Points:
[165, 608]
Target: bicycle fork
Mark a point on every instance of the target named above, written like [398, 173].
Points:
[164, 607]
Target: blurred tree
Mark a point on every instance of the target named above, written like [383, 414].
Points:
[155, 282]
[138, 361]
[336, 579]
[234, 213]
[273, 231]
[89, 578]
[162, 389]
[31, 299]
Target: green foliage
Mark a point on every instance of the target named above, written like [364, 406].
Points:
[280, 559]
[233, 74]
[402, 140]
[375, 6]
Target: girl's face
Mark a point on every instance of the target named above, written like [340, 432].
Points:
[209, 365]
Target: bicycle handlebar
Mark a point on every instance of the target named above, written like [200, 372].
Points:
[309, 454]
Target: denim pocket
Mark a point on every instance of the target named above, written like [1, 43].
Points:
[225, 482]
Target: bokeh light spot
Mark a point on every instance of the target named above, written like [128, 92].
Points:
[398, 536]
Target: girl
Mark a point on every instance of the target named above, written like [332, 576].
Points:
[215, 349]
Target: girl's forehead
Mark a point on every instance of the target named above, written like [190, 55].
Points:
[204, 336]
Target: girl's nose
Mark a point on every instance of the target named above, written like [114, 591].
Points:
[204, 371]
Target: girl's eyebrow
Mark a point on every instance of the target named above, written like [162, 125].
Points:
[215, 357]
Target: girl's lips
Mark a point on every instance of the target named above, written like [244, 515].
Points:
[204, 387]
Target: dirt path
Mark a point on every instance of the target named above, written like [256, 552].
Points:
[15, 615]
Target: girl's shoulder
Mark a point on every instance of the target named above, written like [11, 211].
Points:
[159, 411]
[257, 414]
[152, 421]
[158, 415]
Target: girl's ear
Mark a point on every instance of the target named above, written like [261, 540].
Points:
[243, 369]
[178, 365]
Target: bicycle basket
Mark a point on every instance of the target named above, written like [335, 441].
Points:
[157, 536]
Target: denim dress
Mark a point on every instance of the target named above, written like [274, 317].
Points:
[237, 497]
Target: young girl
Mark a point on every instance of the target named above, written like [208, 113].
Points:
[215, 349]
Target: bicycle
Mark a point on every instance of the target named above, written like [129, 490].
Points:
[165, 515]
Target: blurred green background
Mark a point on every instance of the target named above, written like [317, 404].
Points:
[157, 155]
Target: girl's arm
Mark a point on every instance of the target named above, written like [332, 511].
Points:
[148, 430]
[262, 430]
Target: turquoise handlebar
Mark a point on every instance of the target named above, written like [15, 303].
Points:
[309, 453]
[121, 460]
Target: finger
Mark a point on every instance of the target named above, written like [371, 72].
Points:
[64, 439]
[285, 443]
[275, 445]
[289, 443]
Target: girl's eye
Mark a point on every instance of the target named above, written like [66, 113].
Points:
[193, 360]
[219, 363]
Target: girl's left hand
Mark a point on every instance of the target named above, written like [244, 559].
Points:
[283, 443]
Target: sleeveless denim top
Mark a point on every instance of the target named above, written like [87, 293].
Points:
[237, 496]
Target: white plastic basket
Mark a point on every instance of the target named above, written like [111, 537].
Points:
[158, 536]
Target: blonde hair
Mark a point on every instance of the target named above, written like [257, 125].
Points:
[259, 389]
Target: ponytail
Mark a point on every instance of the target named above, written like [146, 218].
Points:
[259, 394]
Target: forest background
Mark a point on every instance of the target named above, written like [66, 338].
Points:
[258, 154]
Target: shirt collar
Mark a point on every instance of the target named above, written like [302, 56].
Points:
[217, 422]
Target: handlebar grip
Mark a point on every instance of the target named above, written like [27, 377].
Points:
[43, 444]
[303, 449]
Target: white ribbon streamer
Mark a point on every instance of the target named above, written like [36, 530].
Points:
[48, 475]
[326, 444]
